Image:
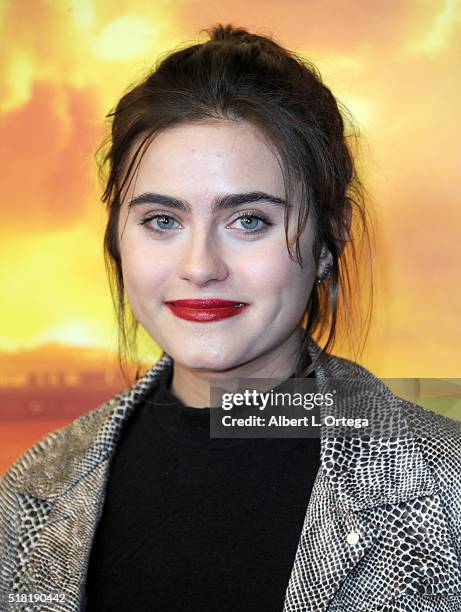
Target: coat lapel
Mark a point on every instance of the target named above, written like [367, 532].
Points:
[357, 474]
[324, 556]
[56, 562]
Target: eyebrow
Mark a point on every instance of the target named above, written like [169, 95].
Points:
[220, 202]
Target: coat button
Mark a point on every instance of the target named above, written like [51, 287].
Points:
[353, 537]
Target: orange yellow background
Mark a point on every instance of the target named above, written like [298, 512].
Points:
[394, 63]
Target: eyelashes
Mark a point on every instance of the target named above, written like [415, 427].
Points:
[244, 217]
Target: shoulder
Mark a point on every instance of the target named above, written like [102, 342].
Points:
[54, 451]
[439, 439]
[420, 418]
[44, 471]
[438, 436]
[63, 456]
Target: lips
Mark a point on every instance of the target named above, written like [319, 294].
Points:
[206, 310]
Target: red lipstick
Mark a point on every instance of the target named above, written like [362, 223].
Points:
[206, 310]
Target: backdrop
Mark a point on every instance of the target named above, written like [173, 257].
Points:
[394, 63]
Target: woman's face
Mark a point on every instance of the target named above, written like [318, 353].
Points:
[197, 250]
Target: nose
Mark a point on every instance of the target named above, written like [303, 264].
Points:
[202, 260]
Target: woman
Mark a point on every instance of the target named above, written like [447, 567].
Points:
[221, 161]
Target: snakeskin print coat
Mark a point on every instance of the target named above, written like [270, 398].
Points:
[382, 531]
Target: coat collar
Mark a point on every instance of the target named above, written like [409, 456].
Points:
[357, 469]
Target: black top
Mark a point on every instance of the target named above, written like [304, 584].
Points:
[197, 523]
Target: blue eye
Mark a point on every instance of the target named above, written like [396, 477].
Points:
[164, 223]
[164, 219]
[247, 220]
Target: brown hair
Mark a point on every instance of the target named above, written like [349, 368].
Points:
[240, 76]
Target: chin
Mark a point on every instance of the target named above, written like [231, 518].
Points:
[214, 365]
[206, 359]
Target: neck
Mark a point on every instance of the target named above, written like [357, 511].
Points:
[192, 387]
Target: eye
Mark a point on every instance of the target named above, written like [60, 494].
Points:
[162, 223]
[249, 223]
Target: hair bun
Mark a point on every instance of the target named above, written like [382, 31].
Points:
[229, 32]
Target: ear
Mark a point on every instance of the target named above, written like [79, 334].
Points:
[325, 263]
[342, 233]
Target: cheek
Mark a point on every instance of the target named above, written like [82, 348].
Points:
[143, 271]
[272, 272]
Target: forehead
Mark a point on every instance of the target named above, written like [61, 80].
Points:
[204, 158]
